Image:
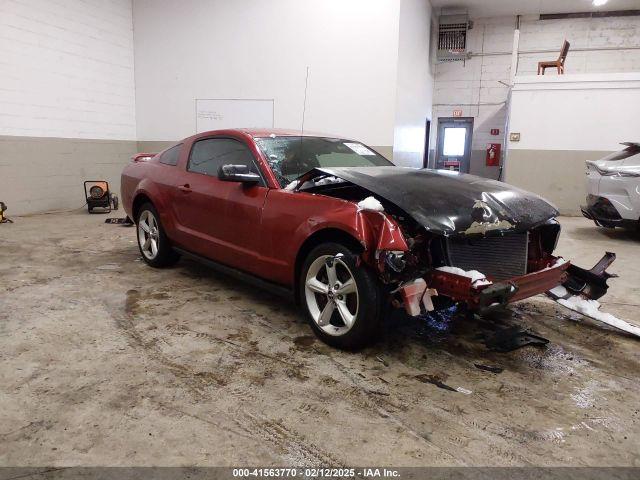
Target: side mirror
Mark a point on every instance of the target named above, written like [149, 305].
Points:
[238, 173]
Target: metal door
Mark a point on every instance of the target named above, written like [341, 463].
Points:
[454, 143]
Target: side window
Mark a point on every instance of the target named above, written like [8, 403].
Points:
[208, 155]
[171, 156]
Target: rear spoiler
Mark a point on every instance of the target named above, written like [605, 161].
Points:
[142, 157]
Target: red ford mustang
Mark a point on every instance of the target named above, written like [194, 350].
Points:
[345, 232]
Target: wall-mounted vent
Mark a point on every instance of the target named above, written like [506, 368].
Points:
[616, 13]
[452, 38]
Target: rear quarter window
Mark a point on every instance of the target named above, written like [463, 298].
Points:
[171, 156]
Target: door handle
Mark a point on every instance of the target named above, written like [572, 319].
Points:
[184, 188]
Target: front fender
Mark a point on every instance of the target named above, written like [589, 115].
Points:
[375, 231]
[290, 219]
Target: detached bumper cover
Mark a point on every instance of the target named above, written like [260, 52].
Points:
[589, 283]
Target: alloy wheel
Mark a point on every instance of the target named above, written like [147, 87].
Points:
[331, 295]
[148, 235]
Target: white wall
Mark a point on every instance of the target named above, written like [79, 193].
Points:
[67, 69]
[598, 45]
[256, 49]
[67, 100]
[414, 82]
[589, 112]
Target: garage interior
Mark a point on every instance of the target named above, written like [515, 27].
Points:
[107, 362]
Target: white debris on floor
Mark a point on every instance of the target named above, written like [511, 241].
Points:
[477, 278]
[558, 292]
[591, 308]
[371, 204]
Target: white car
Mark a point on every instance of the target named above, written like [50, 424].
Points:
[613, 188]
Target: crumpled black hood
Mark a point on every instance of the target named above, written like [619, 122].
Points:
[450, 203]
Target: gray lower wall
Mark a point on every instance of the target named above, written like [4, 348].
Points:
[153, 146]
[558, 175]
[39, 174]
[478, 165]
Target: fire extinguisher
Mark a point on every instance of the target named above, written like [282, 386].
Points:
[493, 154]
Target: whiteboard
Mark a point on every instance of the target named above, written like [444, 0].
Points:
[216, 114]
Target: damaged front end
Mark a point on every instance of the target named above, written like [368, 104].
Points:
[443, 238]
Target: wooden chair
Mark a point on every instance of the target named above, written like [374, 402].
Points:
[559, 63]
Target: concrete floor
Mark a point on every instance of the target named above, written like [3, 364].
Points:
[105, 361]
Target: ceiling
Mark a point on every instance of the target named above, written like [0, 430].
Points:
[492, 8]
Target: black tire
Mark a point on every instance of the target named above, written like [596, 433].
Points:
[166, 255]
[366, 325]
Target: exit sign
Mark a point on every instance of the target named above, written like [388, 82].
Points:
[495, 131]
[457, 112]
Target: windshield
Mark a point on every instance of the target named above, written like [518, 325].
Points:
[290, 157]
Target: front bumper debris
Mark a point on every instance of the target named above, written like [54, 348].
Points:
[417, 295]
[511, 338]
[591, 283]
[497, 294]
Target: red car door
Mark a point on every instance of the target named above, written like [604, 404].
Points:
[219, 219]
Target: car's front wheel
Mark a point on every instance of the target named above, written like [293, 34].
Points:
[152, 240]
[342, 300]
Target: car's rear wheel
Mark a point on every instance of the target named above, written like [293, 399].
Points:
[153, 242]
[342, 300]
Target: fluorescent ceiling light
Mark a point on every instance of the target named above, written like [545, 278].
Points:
[599, 3]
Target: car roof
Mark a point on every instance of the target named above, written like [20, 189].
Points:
[283, 132]
[266, 132]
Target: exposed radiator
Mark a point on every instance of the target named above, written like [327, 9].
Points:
[499, 257]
